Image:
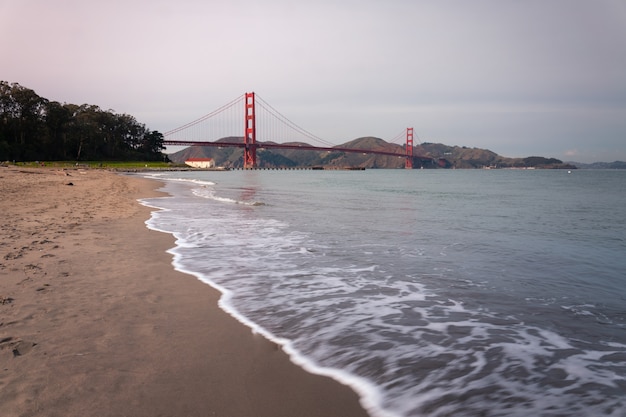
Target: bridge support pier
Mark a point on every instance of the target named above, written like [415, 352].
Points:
[409, 148]
[249, 138]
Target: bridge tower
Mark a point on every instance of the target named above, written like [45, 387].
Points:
[249, 138]
[409, 148]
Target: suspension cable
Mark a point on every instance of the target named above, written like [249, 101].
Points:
[399, 137]
[281, 118]
[205, 117]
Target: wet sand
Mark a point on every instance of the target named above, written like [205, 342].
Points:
[94, 320]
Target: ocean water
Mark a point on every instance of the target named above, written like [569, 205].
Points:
[430, 292]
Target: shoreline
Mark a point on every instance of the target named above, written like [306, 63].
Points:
[85, 331]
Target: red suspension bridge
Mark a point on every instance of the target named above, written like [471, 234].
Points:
[263, 130]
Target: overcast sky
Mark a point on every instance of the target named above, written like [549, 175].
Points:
[518, 77]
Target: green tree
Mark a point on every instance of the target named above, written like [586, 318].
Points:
[34, 128]
[152, 145]
[21, 116]
[57, 121]
[30, 110]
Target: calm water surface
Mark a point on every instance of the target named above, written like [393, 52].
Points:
[432, 293]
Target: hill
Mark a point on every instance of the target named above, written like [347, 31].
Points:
[426, 155]
[464, 157]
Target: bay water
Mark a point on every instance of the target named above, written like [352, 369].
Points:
[430, 292]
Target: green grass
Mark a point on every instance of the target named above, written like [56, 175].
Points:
[100, 164]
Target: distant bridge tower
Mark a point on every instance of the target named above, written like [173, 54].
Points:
[409, 148]
[249, 138]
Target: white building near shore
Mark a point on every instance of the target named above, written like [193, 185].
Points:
[200, 162]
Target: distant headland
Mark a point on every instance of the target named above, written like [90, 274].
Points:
[426, 155]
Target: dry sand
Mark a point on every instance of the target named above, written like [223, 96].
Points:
[94, 320]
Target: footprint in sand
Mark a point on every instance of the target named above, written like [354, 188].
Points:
[18, 347]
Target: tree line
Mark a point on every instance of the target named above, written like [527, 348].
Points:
[33, 128]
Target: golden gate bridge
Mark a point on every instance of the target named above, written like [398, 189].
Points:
[264, 129]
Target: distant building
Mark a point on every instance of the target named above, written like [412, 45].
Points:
[200, 162]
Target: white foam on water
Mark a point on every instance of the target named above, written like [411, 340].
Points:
[210, 194]
[406, 349]
[368, 393]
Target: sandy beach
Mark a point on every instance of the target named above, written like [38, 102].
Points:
[94, 320]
